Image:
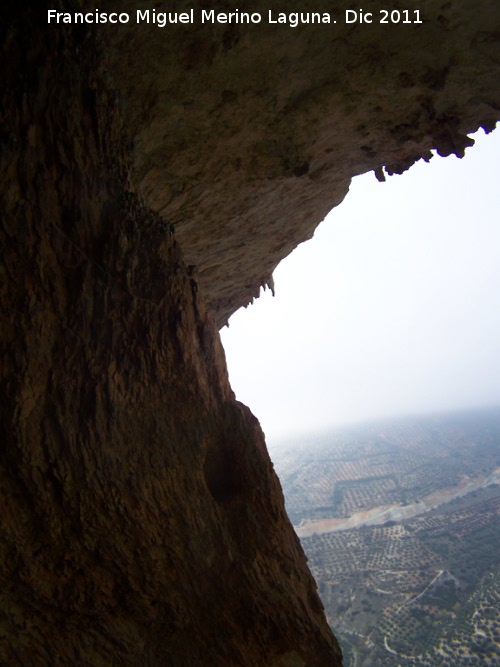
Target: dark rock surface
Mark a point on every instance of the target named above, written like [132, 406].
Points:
[151, 181]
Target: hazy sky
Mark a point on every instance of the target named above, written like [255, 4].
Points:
[392, 308]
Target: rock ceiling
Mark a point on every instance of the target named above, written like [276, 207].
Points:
[245, 136]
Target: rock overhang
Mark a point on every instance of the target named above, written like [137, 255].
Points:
[244, 137]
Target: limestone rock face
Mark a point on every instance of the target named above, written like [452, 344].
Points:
[151, 181]
[246, 136]
[141, 522]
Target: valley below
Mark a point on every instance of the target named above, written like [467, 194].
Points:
[399, 521]
[383, 513]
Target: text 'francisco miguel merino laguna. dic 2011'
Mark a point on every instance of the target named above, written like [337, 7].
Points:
[292, 19]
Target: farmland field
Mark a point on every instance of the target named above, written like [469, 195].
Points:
[400, 521]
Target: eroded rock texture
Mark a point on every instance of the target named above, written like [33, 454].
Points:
[151, 180]
[245, 137]
[141, 521]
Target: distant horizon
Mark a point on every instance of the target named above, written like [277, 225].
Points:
[392, 308]
[337, 428]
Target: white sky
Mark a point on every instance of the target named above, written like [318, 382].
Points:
[392, 308]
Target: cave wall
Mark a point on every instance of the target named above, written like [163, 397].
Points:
[141, 522]
[151, 181]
